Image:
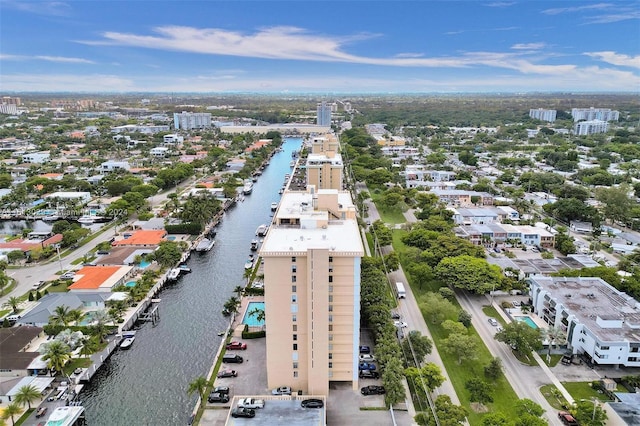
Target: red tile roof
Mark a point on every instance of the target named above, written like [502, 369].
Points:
[143, 237]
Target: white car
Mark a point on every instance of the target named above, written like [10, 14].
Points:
[367, 358]
[283, 390]
[251, 403]
[400, 324]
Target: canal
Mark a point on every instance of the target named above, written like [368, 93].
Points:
[147, 385]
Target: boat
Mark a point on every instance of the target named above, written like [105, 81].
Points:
[247, 188]
[248, 264]
[281, 191]
[87, 220]
[173, 274]
[126, 343]
[222, 333]
[274, 207]
[254, 245]
[292, 163]
[262, 230]
[205, 245]
[184, 268]
[51, 218]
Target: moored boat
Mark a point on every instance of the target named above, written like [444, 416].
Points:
[173, 274]
[254, 245]
[184, 268]
[205, 245]
[262, 230]
[127, 342]
[274, 207]
[248, 187]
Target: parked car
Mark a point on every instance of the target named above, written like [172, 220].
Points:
[218, 397]
[400, 324]
[103, 252]
[236, 346]
[366, 366]
[282, 390]
[227, 373]
[372, 390]
[493, 322]
[67, 275]
[395, 315]
[221, 389]
[367, 358]
[368, 374]
[365, 350]
[312, 403]
[567, 418]
[41, 412]
[251, 403]
[38, 285]
[234, 359]
[243, 412]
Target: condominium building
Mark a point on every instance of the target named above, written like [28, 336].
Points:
[11, 109]
[599, 321]
[604, 114]
[543, 114]
[191, 120]
[324, 164]
[323, 114]
[590, 127]
[312, 256]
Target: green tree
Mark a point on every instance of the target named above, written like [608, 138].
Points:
[15, 255]
[493, 370]
[382, 233]
[448, 413]
[469, 273]
[100, 320]
[392, 261]
[26, 395]
[417, 345]
[527, 406]
[589, 413]
[392, 381]
[167, 254]
[60, 316]
[464, 317]
[421, 273]
[454, 327]
[198, 385]
[10, 411]
[496, 419]
[479, 390]
[437, 308]
[617, 204]
[56, 354]
[553, 335]
[428, 376]
[520, 337]
[463, 346]
[13, 302]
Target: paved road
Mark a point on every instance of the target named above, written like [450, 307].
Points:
[525, 380]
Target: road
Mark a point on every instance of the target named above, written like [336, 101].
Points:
[27, 276]
[525, 380]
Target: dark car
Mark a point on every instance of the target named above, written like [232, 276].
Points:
[395, 315]
[227, 373]
[567, 418]
[312, 403]
[366, 366]
[218, 397]
[372, 390]
[221, 389]
[41, 412]
[243, 412]
[236, 345]
[368, 374]
[365, 350]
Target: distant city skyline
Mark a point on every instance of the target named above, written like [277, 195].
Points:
[320, 46]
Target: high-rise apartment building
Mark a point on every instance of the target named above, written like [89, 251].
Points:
[312, 256]
[324, 164]
[590, 127]
[323, 114]
[191, 120]
[11, 100]
[543, 114]
[11, 109]
[604, 114]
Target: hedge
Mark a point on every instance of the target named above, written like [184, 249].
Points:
[190, 228]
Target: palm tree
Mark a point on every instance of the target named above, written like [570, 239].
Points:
[76, 315]
[553, 335]
[13, 303]
[26, 395]
[239, 290]
[258, 314]
[101, 318]
[60, 315]
[199, 384]
[10, 411]
[56, 354]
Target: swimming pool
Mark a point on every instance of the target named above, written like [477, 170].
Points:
[528, 321]
[130, 284]
[87, 319]
[171, 238]
[143, 264]
[251, 320]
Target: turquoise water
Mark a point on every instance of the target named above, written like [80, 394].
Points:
[87, 319]
[143, 264]
[529, 322]
[171, 238]
[251, 320]
[130, 284]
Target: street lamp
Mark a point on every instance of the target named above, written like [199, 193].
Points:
[595, 405]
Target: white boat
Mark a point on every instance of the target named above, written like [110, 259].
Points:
[205, 245]
[262, 230]
[126, 343]
[173, 274]
[248, 264]
[248, 187]
[50, 218]
[274, 207]
[88, 220]
[292, 163]
[254, 245]
[184, 268]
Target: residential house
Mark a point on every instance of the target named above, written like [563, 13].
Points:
[142, 238]
[36, 157]
[463, 197]
[100, 278]
[111, 165]
[15, 351]
[85, 301]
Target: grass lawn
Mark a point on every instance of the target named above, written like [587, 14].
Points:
[76, 363]
[582, 390]
[4, 312]
[555, 358]
[61, 287]
[370, 242]
[493, 313]
[24, 417]
[553, 396]
[388, 215]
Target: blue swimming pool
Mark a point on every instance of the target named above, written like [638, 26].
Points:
[528, 321]
[130, 284]
[171, 238]
[250, 319]
[87, 319]
[143, 264]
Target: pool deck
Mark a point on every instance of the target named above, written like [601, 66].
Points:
[237, 325]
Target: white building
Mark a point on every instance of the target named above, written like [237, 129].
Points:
[83, 197]
[599, 320]
[36, 157]
[590, 127]
[543, 114]
[172, 139]
[160, 151]
[145, 129]
[191, 120]
[323, 114]
[604, 114]
[11, 109]
[111, 165]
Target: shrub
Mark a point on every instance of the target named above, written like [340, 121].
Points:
[184, 228]
[253, 334]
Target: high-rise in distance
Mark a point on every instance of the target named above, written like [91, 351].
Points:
[323, 114]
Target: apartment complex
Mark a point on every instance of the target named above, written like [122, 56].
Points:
[590, 127]
[324, 163]
[323, 114]
[600, 321]
[604, 114]
[191, 120]
[543, 114]
[312, 256]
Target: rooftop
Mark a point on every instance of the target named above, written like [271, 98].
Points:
[282, 410]
[12, 342]
[142, 237]
[94, 277]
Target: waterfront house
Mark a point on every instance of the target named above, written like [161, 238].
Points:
[39, 316]
[100, 278]
[142, 238]
[15, 351]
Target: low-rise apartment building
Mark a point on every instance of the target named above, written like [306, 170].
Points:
[599, 321]
[463, 197]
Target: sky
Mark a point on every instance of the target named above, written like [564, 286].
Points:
[318, 46]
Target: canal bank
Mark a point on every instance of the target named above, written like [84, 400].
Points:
[147, 384]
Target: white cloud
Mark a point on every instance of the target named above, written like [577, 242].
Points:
[68, 82]
[409, 55]
[616, 58]
[613, 17]
[63, 59]
[501, 4]
[53, 8]
[559, 10]
[528, 46]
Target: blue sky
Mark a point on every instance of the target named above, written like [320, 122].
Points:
[320, 46]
